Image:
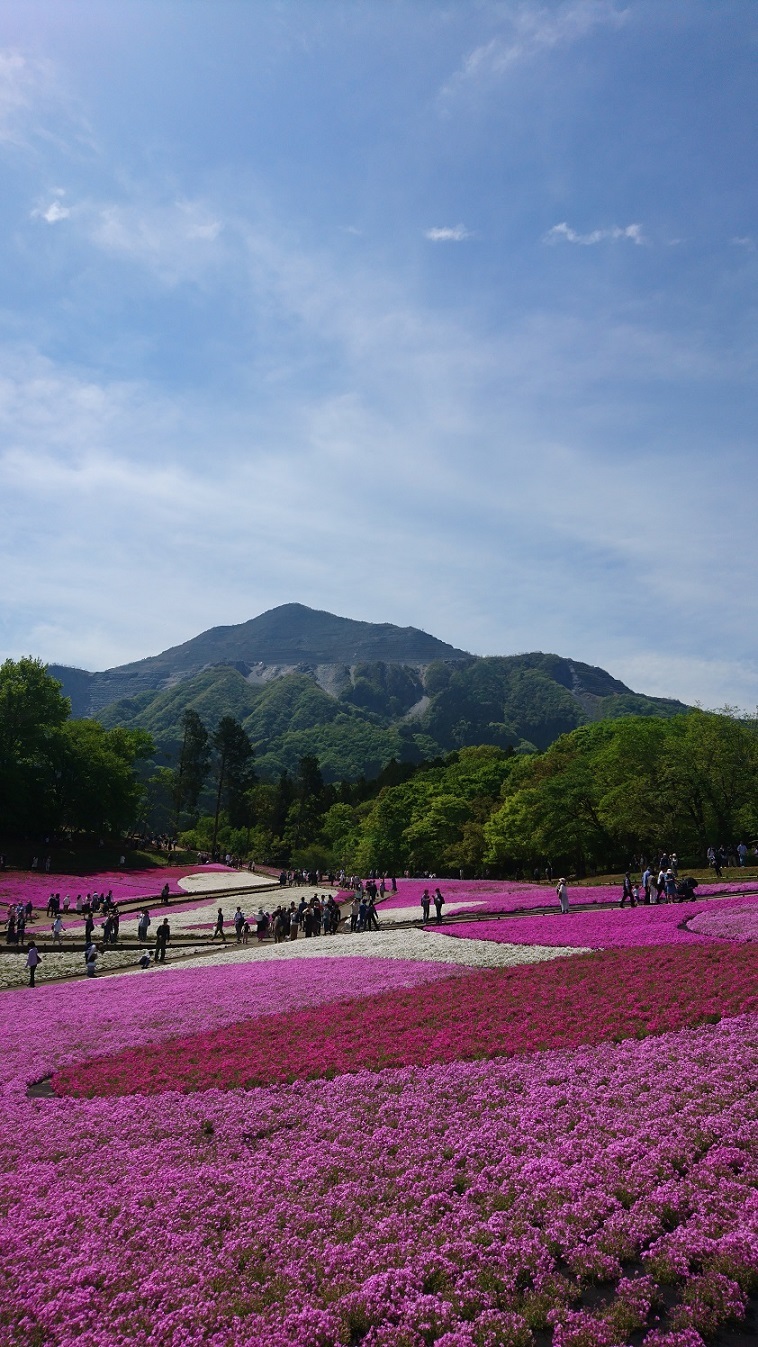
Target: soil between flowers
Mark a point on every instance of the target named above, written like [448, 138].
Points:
[588, 999]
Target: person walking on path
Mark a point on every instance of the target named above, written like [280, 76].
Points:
[239, 922]
[438, 902]
[627, 891]
[90, 956]
[219, 927]
[563, 897]
[32, 961]
[58, 929]
[426, 903]
[162, 937]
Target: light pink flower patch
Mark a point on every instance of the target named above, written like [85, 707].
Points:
[731, 923]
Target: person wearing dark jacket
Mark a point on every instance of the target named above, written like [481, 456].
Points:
[162, 937]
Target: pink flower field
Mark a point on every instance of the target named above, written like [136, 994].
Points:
[598, 1193]
[591, 1190]
[481, 1014]
[668, 924]
[489, 895]
[18, 886]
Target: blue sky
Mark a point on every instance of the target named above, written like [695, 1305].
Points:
[437, 314]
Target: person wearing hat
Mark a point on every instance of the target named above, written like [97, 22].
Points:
[563, 897]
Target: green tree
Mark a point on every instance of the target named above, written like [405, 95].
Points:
[95, 787]
[304, 816]
[193, 765]
[234, 772]
[32, 712]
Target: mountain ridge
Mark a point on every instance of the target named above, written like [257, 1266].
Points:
[354, 694]
[282, 639]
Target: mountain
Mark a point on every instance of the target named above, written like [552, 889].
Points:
[354, 694]
[283, 640]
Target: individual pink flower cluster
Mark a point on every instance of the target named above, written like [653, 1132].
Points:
[564, 1003]
[731, 923]
[462, 1205]
[617, 928]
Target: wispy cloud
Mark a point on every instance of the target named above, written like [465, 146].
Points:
[531, 29]
[36, 108]
[743, 241]
[563, 233]
[448, 234]
[20, 83]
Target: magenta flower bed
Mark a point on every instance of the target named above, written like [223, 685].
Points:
[668, 924]
[487, 895]
[732, 923]
[18, 886]
[483, 1014]
[465, 1205]
[81, 1020]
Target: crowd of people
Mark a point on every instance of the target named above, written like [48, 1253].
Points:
[317, 916]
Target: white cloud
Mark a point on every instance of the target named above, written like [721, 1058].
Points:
[563, 233]
[743, 241]
[448, 234]
[531, 29]
[53, 213]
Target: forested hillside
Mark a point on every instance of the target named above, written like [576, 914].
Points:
[595, 799]
[382, 711]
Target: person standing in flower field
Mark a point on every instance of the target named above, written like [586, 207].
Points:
[143, 925]
[58, 928]
[426, 903]
[561, 889]
[32, 961]
[219, 927]
[438, 902]
[162, 937]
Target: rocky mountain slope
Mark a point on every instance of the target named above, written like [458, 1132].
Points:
[354, 694]
[288, 639]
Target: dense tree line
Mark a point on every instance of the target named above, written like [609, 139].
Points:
[596, 798]
[58, 774]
